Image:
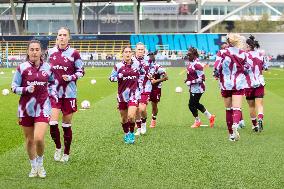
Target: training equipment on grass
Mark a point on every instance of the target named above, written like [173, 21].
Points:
[13, 71]
[85, 104]
[5, 92]
[281, 66]
[178, 90]
[203, 125]
[1, 73]
[93, 81]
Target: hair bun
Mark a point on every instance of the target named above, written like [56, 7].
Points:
[252, 37]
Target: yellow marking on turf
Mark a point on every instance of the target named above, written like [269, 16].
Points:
[203, 125]
[182, 72]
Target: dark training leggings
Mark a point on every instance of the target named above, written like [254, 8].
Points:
[194, 105]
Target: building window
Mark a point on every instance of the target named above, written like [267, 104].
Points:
[222, 10]
[207, 10]
[231, 8]
[258, 10]
[215, 10]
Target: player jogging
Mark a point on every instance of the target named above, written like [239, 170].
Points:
[255, 91]
[67, 66]
[34, 81]
[196, 83]
[158, 77]
[127, 73]
[229, 68]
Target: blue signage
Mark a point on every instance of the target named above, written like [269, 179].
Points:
[179, 42]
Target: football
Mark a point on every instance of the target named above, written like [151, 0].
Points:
[178, 90]
[85, 104]
[93, 81]
[5, 92]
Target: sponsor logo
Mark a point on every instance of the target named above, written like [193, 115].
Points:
[129, 78]
[33, 83]
[58, 67]
[111, 19]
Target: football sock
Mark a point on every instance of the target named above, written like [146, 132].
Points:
[236, 115]
[138, 123]
[229, 119]
[33, 163]
[207, 114]
[131, 126]
[197, 119]
[125, 127]
[260, 116]
[143, 120]
[253, 120]
[39, 160]
[55, 134]
[67, 137]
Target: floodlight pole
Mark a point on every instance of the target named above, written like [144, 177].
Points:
[23, 14]
[199, 16]
[7, 54]
[74, 16]
[14, 17]
[80, 19]
[135, 14]
[2, 39]
[98, 16]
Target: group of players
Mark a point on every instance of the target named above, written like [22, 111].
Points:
[139, 81]
[48, 88]
[238, 68]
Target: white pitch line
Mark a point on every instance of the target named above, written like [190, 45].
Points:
[203, 125]
[182, 72]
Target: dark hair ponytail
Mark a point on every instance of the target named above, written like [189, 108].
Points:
[125, 47]
[193, 51]
[252, 42]
[28, 46]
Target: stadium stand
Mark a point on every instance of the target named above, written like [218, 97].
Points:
[109, 47]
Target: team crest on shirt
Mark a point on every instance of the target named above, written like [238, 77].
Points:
[65, 59]
[30, 72]
[43, 73]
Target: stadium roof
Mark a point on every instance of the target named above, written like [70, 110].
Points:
[68, 1]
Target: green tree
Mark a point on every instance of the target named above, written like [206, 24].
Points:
[219, 28]
[261, 25]
[280, 24]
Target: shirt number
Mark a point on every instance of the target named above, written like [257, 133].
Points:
[73, 103]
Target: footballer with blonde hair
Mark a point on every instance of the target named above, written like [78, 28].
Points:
[230, 67]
